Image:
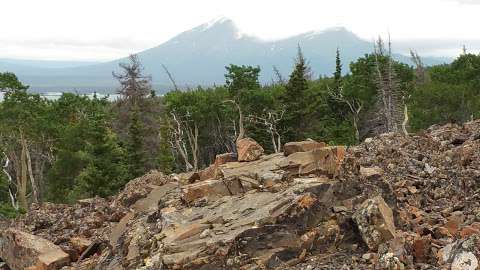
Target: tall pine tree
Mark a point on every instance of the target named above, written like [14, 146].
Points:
[135, 147]
[295, 100]
[166, 160]
[337, 75]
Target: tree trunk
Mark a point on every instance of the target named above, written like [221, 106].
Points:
[241, 133]
[11, 192]
[23, 178]
[193, 140]
[405, 120]
[30, 173]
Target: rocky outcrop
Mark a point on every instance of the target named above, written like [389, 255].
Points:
[21, 250]
[248, 150]
[392, 202]
[303, 146]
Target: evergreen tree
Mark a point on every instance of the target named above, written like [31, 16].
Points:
[137, 97]
[89, 159]
[337, 75]
[135, 145]
[106, 171]
[166, 159]
[295, 100]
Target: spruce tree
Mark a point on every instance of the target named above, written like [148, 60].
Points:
[295, 99]
[337, 75]
[166, 159]
[135, 147]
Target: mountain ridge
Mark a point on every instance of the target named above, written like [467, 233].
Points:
[198, 57]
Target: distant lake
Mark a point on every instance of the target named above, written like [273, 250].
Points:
[57, 95]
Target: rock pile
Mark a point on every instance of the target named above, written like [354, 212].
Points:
[392, 202]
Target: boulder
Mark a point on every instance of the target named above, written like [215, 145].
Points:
[22, 250]
[224, 158]
[374, 220]
[212, 171]
[322, 161]
[248, 150]
[211, 189]
[370, 172]
[461, 254]
[80, 244]
[303, 146]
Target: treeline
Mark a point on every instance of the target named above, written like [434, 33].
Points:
[76, 147]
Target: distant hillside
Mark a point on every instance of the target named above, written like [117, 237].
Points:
[199, 57]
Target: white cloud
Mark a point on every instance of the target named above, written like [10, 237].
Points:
[92, 29]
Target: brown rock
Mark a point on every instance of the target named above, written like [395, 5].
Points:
[224, 158]
[462, 254]
[421, 249]
[452, 226]
[370, 172]
[80, 244]
[211, 189]
[326, 160]
[21, 250]
[248, 150]
[467, 231]
[374, 220]
[213, 171]
[303, 146]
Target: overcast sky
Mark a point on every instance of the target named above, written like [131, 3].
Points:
[107, 29]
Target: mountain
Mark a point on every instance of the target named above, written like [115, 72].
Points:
[199, 56]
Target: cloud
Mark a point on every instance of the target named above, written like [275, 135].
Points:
[467, 2]
[113, 43]
[437, 47]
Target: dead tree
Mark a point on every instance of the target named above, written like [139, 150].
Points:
[192, 135]
[279, 78]
[355, 107]
[178, 138]
[270, 121]
[390, 101]
[241, 128]
[133, 84]
[28, 163]
[420, 71]
[170, 77]
[11, 184]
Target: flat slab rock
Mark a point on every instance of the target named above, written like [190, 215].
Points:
[326, 161]
[303, 146]
[21, 250]
[208, 232]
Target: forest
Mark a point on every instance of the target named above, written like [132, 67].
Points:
[78, 147]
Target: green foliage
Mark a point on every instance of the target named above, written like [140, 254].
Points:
[9, 82]
[440, 103]
[362, 81]
[166, 159]
[241, 78]
[337, 75]
[135, 145]
[295, 100]
[90, 160]
[7, 211]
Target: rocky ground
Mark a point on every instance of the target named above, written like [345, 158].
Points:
[392, 202]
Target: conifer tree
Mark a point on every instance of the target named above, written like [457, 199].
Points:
[135, 145]
[166, 159]
[337, 75]
[295, 99]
